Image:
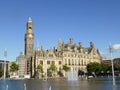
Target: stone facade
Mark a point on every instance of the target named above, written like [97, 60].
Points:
[70, 54]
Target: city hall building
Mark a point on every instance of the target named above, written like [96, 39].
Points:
[70, 54]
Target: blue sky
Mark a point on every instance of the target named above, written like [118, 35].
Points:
[83, 20]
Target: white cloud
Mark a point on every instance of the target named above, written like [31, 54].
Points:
[116, 47]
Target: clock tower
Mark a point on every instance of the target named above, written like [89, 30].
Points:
[29, 39]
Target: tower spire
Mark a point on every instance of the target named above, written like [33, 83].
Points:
[29, 39]
[29, 19]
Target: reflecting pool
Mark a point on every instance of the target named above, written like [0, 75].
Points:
[60, 84]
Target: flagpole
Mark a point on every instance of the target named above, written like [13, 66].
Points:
[111, 57]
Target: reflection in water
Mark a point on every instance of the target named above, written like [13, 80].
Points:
[59, 84]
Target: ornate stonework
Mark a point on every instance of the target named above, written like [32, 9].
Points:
[70, 54]
[29, 39]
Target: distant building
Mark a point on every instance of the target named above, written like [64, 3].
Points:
[2, 64]
[74, 56]
[107, 61]
[22, 63]
[115, 61]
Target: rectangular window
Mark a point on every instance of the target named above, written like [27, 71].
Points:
[53, 62]
[59, 62]
[65, 61]
[41, 62]
[48, 62]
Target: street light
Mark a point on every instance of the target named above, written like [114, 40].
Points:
[5, 56]
[111, 57]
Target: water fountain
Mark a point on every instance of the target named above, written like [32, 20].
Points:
[72, 75]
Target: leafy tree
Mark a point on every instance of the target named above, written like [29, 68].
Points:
[93, 67]
[60, 73]
[104, 67]
[97, 68]
[117, 67]
[80, 72]
[65, 68]
[52, 69]
[49, 72]
[39, 69]
[14, 67]
[1, 73]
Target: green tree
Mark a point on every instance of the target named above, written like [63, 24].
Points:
[14, 67]
[117, 67]
[65, 68]
[60, 73]
[52, 69]
[104, 67]
[1, 73]
[39, 70]
[94, 67]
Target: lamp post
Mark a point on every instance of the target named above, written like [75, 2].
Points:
[5, 56]
[46, 67]
[111, 57]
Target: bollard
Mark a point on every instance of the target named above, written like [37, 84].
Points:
[50, 88]
[6, 87]
[25, 86]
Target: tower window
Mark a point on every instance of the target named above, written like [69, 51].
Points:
[30, 27]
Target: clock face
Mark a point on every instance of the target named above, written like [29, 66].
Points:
[30, 35]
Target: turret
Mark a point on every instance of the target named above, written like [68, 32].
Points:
[71, 41]
[80, 45]
[91, 45]
[59, 45]
[29, 25]
[42, 48]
